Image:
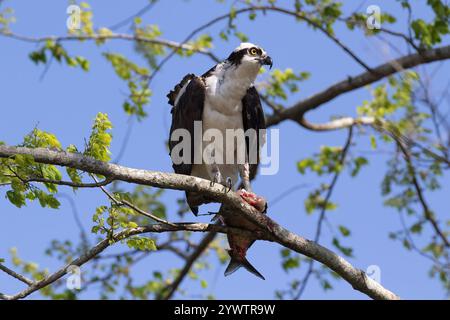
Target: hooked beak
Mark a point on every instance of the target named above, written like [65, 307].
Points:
[267, 61]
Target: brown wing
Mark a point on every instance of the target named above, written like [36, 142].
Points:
[189, 108]
[253, 117]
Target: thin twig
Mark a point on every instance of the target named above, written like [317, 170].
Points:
[16, 275]
[342, 158]
[84, 237]
[169, 291]
[426, 209]
[132, 206]
[130, 19]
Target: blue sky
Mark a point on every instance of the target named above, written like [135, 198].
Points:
[66, 101]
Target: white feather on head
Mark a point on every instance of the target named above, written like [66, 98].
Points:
[248, 45]
[245, 45]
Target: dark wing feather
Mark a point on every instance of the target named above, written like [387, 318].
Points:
[172, 95]
[253, 117]
[188, 109]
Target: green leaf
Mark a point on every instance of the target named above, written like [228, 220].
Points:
[83, 63]
[347, 251]
[436, 249]
[141, 243]
[38, 56]
[232, 13]
[241, 36]
[100, 139]
[373, 142]
[344, 231]
[291, 263]
[416, 228]
[326, 285]
[16, 198]
[358, 163]
[137, 80]
[41, 139]
[285, 253]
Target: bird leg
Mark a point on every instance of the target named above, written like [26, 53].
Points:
[229, 184]
[216, 175]
[259, 203]
[244, 172]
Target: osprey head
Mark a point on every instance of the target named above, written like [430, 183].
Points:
[249, 55]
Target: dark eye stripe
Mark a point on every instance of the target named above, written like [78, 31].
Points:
[236, 56]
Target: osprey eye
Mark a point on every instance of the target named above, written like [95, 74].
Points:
[253, 51]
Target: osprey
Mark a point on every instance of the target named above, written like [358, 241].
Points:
[221, 100]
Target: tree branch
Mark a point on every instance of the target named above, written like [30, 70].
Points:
[270, 230]
[297, 111]
[114, 36]
[303, 16]
[16, 275]
[408, 39]
[61, 182]
[426, 209]
[341, 123]
[132, 206]
[168, 292]
[131, 18]
[102, 245]
[334, 180]
[379, 124]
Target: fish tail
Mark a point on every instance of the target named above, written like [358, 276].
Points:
[237, 263]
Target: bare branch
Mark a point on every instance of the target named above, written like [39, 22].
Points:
[16, 275]
[130, 19]
[377, 123]
[337, 124]
[84, 237]
[168, 292]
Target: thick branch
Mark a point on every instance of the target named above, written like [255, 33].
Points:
[270, 230]
[297, 111]
[379, 124]
[336, 124]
